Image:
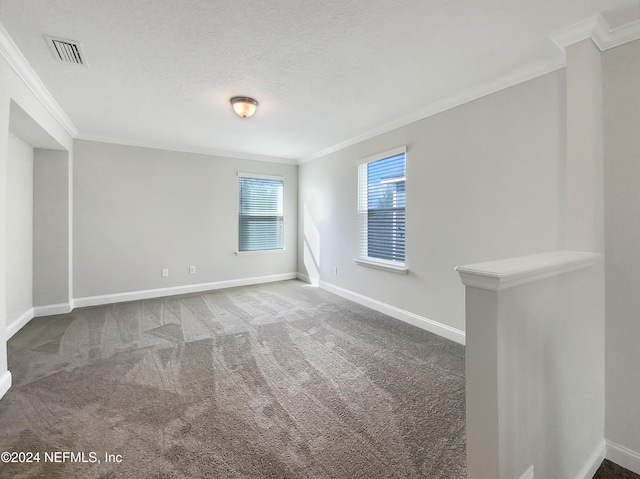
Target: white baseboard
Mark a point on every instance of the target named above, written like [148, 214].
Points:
[623, 456]
[52, 309]
[397, 313]
[17, 324]
[528, 474]
[593, 462]
[175, 290]
[5, 383]
[307, 279]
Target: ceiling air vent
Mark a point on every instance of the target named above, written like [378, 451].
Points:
[66, 51]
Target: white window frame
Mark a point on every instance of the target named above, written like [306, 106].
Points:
[363, 210]
[261, 251]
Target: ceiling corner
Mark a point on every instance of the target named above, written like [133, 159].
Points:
[17, 61]
[578, 31]
[610, 38]
[597, 29]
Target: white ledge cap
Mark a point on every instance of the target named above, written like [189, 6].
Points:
[508, 273]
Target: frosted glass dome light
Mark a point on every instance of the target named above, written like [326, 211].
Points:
[244, 106]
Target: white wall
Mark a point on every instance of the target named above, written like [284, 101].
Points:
[535, 366]
[585, 189]
[5, 375]
[51, 232]
[621, 75]
[13, 89]
[19, 229]
[485, 181]
[553, 364]
[139, 210]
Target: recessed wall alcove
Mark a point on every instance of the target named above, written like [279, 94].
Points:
[38, 220]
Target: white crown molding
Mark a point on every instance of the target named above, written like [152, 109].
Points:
[619, 36]
[597, 29]
[158, 145]
[10, 51]
[465, 96]
[577, 32]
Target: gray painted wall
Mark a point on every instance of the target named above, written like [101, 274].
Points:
[585, 148]
[621, 69]
[139, 210]
[13, 90]
[534, 367]
[19, 232]
[50, 227]
[485, 180]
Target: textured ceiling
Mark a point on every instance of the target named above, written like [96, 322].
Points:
[161, 72]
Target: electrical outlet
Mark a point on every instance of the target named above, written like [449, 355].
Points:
[335, 270]
[165, 272]
[192, 270]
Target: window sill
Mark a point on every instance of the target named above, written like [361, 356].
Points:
[383, 265]
[260, 251]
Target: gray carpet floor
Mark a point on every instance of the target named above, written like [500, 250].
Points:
[271, 381]
[610, 470]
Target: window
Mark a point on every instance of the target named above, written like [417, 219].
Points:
[381, 210]
[261, 222]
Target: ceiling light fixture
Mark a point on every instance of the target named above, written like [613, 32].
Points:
[244, 106]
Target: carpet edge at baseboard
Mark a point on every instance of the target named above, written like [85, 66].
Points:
[103, 299]
[623, 456]
[16, 325]
[421, 322]
[593, 461]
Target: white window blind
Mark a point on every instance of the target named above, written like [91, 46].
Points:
[261, 219]
[381, 207]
